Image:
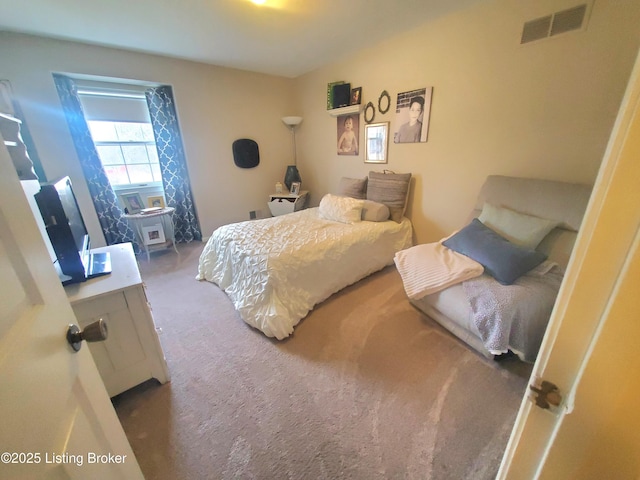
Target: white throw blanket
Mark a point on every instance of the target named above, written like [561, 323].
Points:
[431, 267]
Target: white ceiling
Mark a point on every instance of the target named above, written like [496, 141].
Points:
[281, 37]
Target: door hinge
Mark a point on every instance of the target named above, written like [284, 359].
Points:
[547, 395]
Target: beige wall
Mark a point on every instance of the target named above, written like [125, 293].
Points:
[544, 109]
[215, 107]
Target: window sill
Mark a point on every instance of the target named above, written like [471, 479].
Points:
[138, 187]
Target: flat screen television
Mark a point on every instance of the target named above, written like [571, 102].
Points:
[68, 234]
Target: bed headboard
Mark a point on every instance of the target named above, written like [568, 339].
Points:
[561, 201]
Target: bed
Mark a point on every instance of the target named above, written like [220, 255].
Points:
[276, 270]
[494, 282]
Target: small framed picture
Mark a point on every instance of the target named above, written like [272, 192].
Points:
[156, 201]
[153, 234]
[356, 96]
[295, 188]
[376, 142]
[132, 202]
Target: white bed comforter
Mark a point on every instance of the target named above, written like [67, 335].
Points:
[277, 269]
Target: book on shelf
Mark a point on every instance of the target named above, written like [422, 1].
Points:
[341, 95]
[330, 93]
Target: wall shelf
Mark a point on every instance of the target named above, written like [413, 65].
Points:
[349, 110]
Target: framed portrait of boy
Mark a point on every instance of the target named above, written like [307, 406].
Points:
[295, 188]
[412, 115]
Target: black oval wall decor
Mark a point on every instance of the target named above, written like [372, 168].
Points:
[245, 153]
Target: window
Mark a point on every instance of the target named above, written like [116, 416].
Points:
[118, 118]
[127, 151]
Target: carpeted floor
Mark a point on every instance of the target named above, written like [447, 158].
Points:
[365, 388]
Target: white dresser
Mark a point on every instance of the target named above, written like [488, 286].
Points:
[132, 352]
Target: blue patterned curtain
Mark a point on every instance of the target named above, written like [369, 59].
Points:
[114, 225]
[173, 165]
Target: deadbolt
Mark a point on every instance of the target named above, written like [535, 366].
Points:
[94, 332]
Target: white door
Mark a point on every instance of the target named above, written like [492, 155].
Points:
[57, 421]
[592, 347]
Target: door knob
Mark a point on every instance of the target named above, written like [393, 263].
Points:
[94, 332]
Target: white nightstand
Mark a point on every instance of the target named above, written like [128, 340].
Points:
[140, 221]
[281, 203]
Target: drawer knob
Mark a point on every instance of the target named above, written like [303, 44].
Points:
[94, 332]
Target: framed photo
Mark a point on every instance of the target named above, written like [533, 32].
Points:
[132, 202]
[348, 134]
[155, 201]
[412, 115]
[153, 234]
[376, 142]
[356, 96]
[295, 188]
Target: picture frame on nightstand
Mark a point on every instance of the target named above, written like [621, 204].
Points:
[153, 234]
[295, 188]
[132, 202]
[155, 201]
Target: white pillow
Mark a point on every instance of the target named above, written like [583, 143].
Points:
[374, 211]
[341, 209]
[519, 228]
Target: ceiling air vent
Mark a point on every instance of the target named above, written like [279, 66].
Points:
[559, 22]
[536, 29]
[568, 20]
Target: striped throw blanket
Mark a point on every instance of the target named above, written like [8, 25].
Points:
[431, 267]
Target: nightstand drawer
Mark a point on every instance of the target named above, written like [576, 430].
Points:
[280, 204]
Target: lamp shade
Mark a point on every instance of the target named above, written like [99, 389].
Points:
[292, 121]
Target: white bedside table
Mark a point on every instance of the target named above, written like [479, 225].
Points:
[164, 217]
[282, 203]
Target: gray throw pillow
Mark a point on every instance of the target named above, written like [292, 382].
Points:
[353, 187]
[374, 211]
[391, 189]
[503, 260]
